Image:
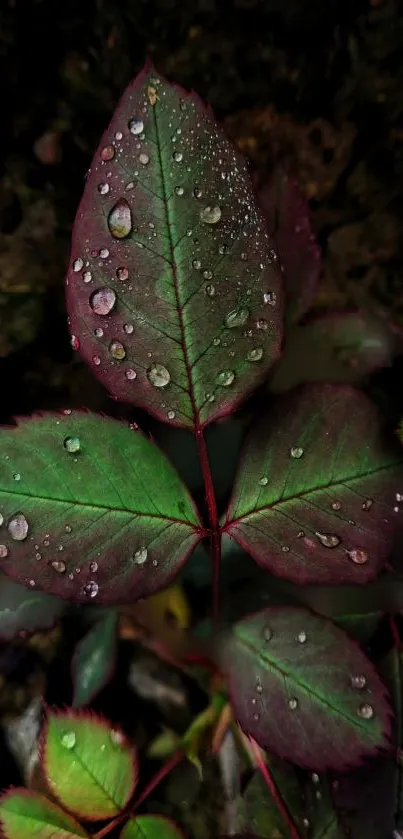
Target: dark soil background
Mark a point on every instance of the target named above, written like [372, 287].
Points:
[315, 85]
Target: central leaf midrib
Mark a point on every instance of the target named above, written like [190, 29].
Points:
[174, 270]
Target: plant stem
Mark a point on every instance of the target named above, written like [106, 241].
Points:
[213, 521]
[264, 770]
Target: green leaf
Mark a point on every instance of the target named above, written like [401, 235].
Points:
[25, 815]
[304, 690]
[174, 290]
[151, 827]
[90, 766]
[316, 497]
[91, 509]
[94, 658]
[25, 611]
[391, 669]
[259, 812]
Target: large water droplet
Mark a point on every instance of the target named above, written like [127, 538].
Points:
[131, 374]
[120, 220]
[358, 682]
[328, 540]
[255, 354]
[196, 264]
[264, 481]
[72, 444]
[87, 276]
[293, 703]
[91, 589]
[59, 566]
[140, 555]
[177, 156]
[238, 317]
[68, 740]
[358, 556]
[103, 188]
[104, 253]
[108, 153]
[122, 273]
[179, 190]
[102, 301]
[225, 378]
[78, 264]
[158, 375]
[117, 351]
[144, 159]
[366, 711]
[18, 527]
[296, 452]
[3, 551]
[301, 637]
[210, 215]
[136, 126]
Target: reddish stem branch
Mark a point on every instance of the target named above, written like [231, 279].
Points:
[213, 520]
[272, 787]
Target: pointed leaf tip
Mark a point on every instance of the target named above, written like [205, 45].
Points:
[24, 814]
[304, 690]
[173, 290]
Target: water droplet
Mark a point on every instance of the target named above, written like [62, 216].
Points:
[267, 633]
[3, 551]
[104, 253]
[366, 711]
[136, 126]
[358, 556]
[328, 540]
[38, 556]
[131, 374]
[122, 273]
[1, 519]
[196, 264]
[158, 375]
[75, 343]
[59, 566]
[102, 301]
[367, 504]
[285, 549]
[78, 264]
[18, 527]
[262, 324]
[238, 317]
[103, 188]
[87, 276]
[210, 290]
[210, 215]
[98, 332]
[68, 528]
[171, 415]
[358, 682]
[259, 687]
[296, 452]
[140, 555]
[144, 158]
[17, 476]
[399, 496]
[264, 481]
[222, 249]
[336, 505]
[93, 566]
[72, 444]
[225, 378]
[256, 717]
[255, 355]
[177, 156]
[197, 192]
[293, 703]
[306, 822]
[120, 220]
[91, 589]
[96, 359]
[179, 190]
[117, 350]
[118, 135]
[301, 637]
[108, 153]
[116, 737]
[270, 298]
[68, 740]
[315, 778]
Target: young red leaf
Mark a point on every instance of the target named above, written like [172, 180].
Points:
[316, 498]
[89, 765]
[287, 215]
[94, 658]
[151, 827]
[304, 690]
[24, 815]
[91, 509]
[25, 611]
[173, 291]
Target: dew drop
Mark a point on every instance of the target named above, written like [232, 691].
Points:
[68, 528]
[102, 301]
[72, 444]
[18, 527]
[285, 549]
[358, 556]
[399, 496]
[131, 374]
[104, 253]
[366, 711]
[259, 687]
[78, 264]
[122, 273]
[93, 566]
[116, 737]
[117, 350]
[358, 682]
[222, 249]
[91, 589]
[140, 555]
[38, 556]
[120, 220]
[296, 452]
[256, 717]
[264, 481]
[75, 343]
[136, 126]
[96, 359]
[225, 378]
[328, 540]
[87, 276]
[118, 135]
[315, 778]
[210, 215]
[179, 190]
[196, 264]
[238, 317]
[59, 566]
[98, 332]
[158, 375]
[367, 504]
[255, 354]
[336, 505]
[262, 324]
[267, 633]
[177, 156]
[3, 551]
[68, 740]
[210, 290]
[1, 519]
[293, 703]
[103, 188]
[306, 822]
[144, 158]
[301, 637]
[17, 476]
[108, 153]
[270, 298]
[197, 192]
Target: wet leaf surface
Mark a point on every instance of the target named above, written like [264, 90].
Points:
[151, 827]
[94, 658]
[24, 815]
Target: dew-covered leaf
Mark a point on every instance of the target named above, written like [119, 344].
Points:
[25, 611]
[151, 827]
[304, 690]
[336, 347]
[90, 509]
[259, 812]
[318, 489]
[24, 815]
[89, 765]
[287, 215]
[94, 658]
[174, 293]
